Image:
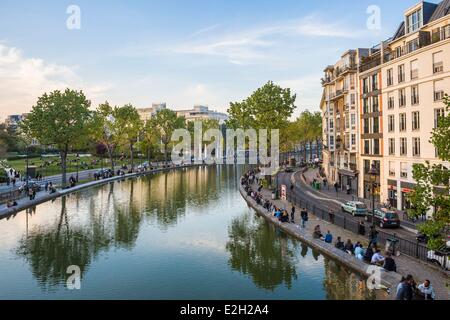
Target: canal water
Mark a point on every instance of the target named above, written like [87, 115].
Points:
[185, 234]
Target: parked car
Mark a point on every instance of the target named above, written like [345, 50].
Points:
[387, 218]
[441, 256]
[356, 208]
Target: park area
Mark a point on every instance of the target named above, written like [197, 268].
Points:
[49, 165]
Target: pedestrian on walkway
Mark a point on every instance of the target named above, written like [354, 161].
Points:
[324, 181]
[373, 236]
[336, 187]
[304, 216]
[331, 215]
[293, 214]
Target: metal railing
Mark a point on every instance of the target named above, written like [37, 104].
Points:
[410, 248]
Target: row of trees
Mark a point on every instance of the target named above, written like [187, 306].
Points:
[64, 120]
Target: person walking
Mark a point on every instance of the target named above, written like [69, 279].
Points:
[373, 236]
[293, 214]
[304, 216]
[331, 215]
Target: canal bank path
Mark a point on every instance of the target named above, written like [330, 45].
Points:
[25, 203]
[405, 265]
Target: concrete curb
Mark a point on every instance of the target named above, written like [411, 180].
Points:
[29, 204]
[388, 279]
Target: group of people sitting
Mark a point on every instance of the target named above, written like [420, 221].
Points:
[371, 254]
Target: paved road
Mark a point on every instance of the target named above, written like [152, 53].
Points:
[304, 192]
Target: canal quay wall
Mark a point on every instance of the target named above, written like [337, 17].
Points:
[388, 279]
[26, 204]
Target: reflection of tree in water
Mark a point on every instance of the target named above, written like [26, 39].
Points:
[114, 218]
[168, 195]
[50, 250]
[342, 284]
[256, 250]
[127, 221]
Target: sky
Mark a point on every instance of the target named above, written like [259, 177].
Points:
[182, 52]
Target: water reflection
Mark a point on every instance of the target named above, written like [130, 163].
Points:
[162, 235]
[256, 250]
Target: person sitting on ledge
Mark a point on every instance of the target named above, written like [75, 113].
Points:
[11, 204]
[339, 244]
[369, 253]
[377, 258]
[328, 237]
[359, 251]
[317, 234]
[389, 263]
[277, 213]
[285, 217]
[349, 247]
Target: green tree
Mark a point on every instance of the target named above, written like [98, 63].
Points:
[269, 107]
[102, 129]
[164, 123]
[433, 186]
[128, 126]
[59, 119]
[149, 141]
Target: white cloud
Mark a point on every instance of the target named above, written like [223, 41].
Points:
[255, 45]
[23, 80]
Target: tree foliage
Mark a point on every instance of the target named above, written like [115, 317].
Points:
[59, 119]
[269, 107]
[433, 186]
[127, 128]
[163, 124]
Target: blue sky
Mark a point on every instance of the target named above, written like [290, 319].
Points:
[182, 52]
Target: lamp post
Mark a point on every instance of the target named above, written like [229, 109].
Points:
[373, 172]
[77, 161]
[27, 168]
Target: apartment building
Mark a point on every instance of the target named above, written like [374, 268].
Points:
[400, 87]
[415, 76]
[339, 107]
[371, 122]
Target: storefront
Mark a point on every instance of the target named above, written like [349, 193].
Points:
[350, 179]
[406, 189]
[392, 193]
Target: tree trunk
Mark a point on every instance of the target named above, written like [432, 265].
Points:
[111, 158]
[165, 152]
[132, 156]
[63, 155]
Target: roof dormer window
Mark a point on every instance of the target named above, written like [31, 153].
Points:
[414, 21]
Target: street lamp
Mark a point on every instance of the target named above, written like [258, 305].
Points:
[77, 161]
[373, 172]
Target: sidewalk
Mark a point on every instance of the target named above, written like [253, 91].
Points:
[405, 264]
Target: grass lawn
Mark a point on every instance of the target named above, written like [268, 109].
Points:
[49, 166]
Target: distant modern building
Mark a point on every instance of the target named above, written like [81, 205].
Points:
[13, 121]
[147, 113]
[197, 113]
[202, 113]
